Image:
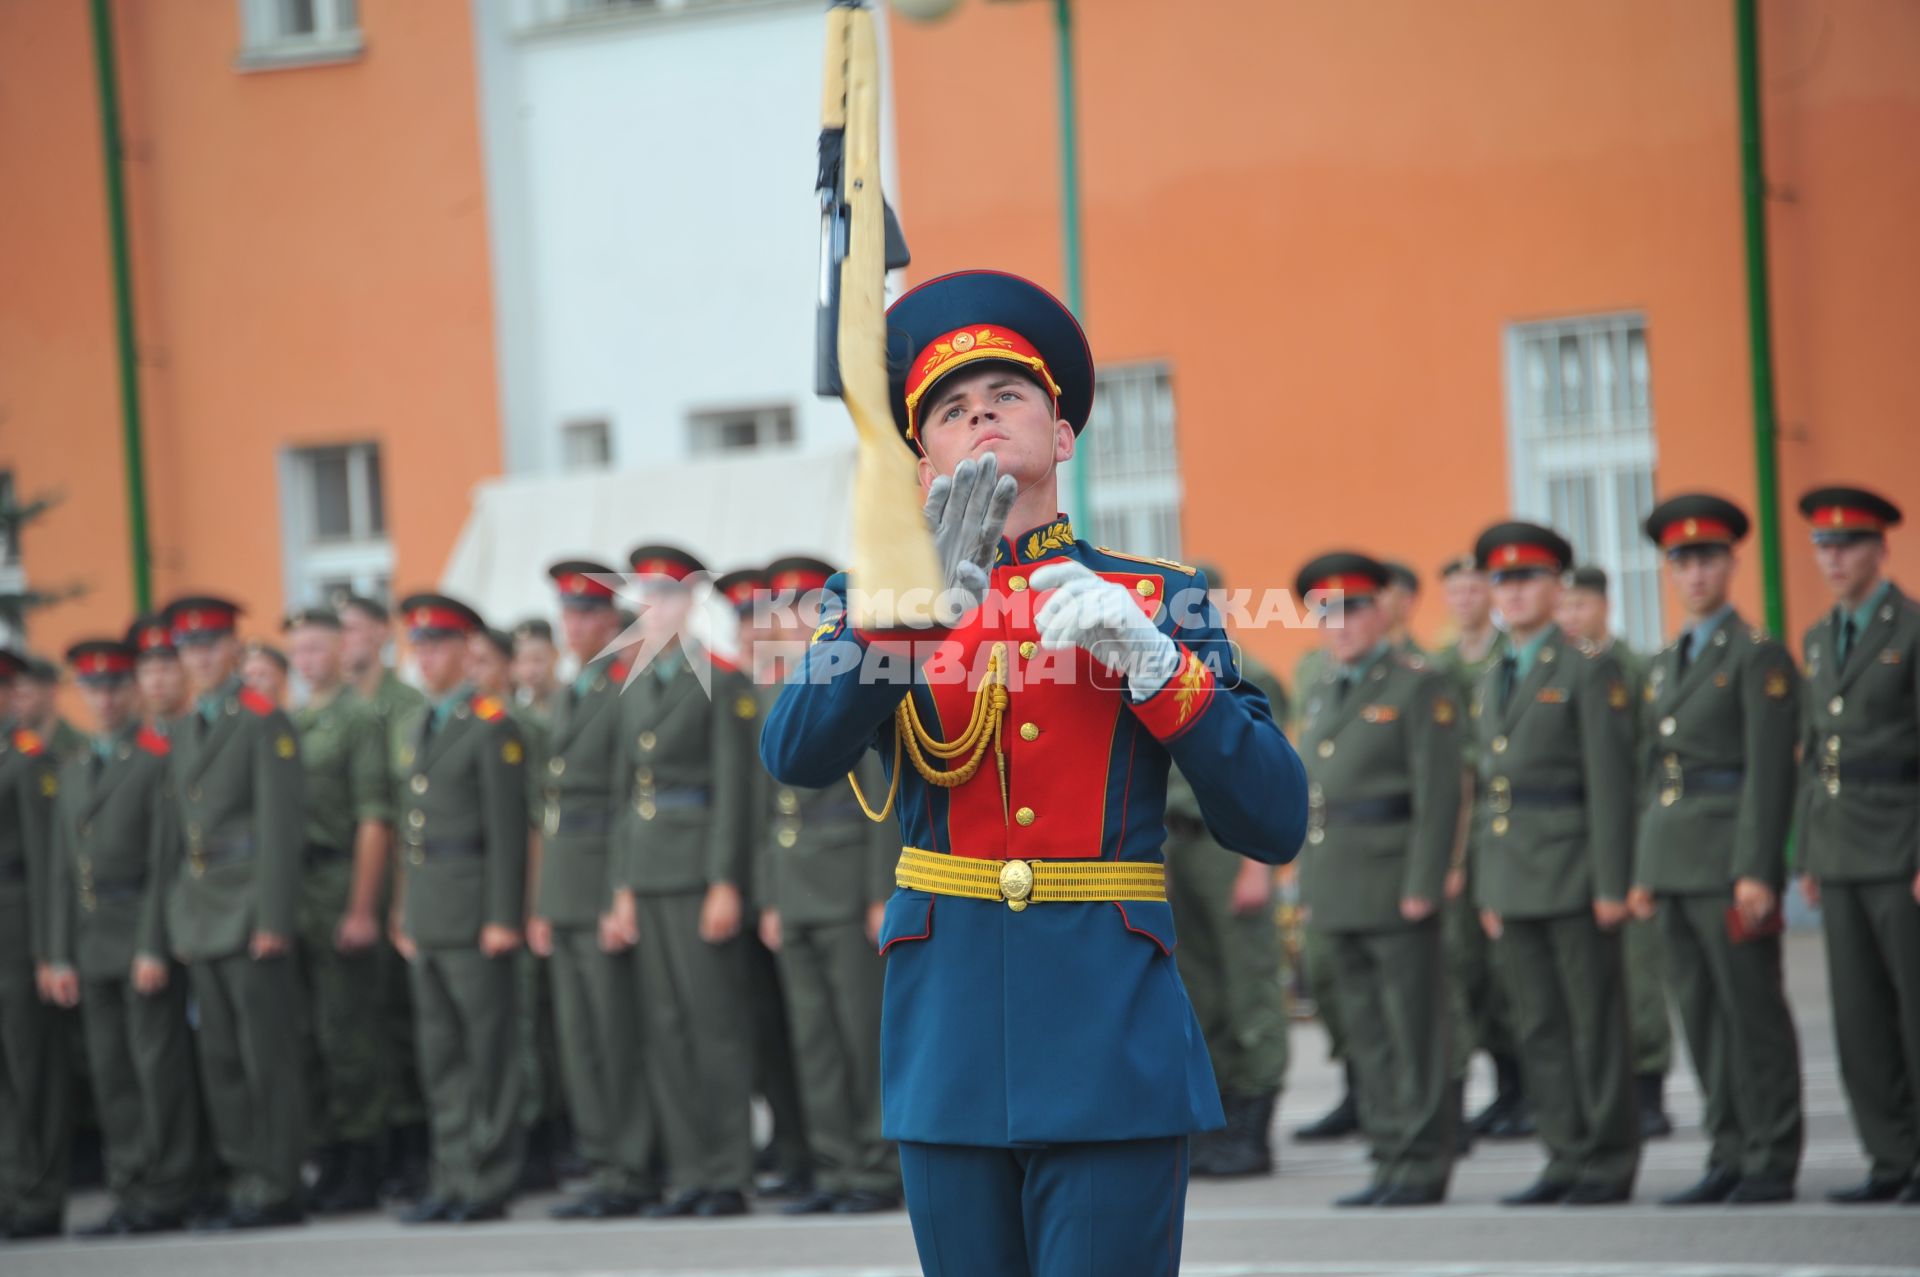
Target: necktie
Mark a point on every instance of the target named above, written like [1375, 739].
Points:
[1848, 632]
[1340, 687]
[1509, 672]
[1686, 652]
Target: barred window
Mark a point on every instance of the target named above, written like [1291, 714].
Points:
[295, 32]
[1133, 484]
[334, 510]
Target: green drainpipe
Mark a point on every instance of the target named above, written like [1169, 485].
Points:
[1070, 216]
[111, 143]
[1766, 497]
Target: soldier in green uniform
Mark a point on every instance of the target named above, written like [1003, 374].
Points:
[1583, 614]
[1382, 748]
[164, 695]
[265, 669]
[535, 671]
[231, 908]
[36, 1107]
[114, 825]
[1399, 601]
[366, 636]
[1556, 801]
[821, 875]
[36, 708]
[1722, 715]
[460, 789]
[1860, 827]
[594, 995]
[686, 762]
[1231, 961]
[1480, 1020]
[349, 818]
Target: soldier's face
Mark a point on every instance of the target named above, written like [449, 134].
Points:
[1469, 599]
[362, 638]
[588, 630]
[1851, 567]
[315, 653]
[1397, 602]
[263, 674]
[992, 408]
[111, 706]
[486, 666]
[534, 660]
[1528, 601]
[1583, 614]
[210, 662]
[163, 686]
[32, 699]
[665, 613]
[1701, 576]
[1361, 625]
[442, 662]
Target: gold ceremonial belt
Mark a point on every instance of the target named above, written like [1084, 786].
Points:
[1024, 882]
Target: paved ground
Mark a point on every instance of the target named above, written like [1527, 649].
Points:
[1279, 1227]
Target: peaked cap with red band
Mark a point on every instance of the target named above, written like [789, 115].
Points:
[431, 616]
[100, 660]
[583, 583]
[150, 635]
[798, 574]
[975, 316]
[200, 618]
[664, 560]
[1522, 547]
[1847, 514]
[1355, 576]
[1696, 518]
[12, 664]
[740, 585]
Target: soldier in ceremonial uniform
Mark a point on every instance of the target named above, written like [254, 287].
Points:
[114, 827]
[231, 910]
[1859, 820]
[36, 1107]
[1042, 1066]
[1231, 960]
[1723, 712]
[37, 709]
[164, 695]
[685, 762]
[1555, 804]
[349, 817]
[460, 791]
[594, 994]
[1382, 748]
[822, 873]
[1583, 614]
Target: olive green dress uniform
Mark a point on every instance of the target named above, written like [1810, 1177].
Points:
[1859, 823]
[115, 830]
[461, 794]
[1717, 795]
[36, 1106]
[821, 863]
[1554, 811]
[237, 778]
[687, 759]
[1382, 747]
[1232, 963]
[1649, 1023]
[595, 997]
[344, 749]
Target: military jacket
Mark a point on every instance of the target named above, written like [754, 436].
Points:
[28, 783]
[1383, 772]
[1717, 773]
[1554, 805]
[461, 794]
[1065, 1021]
[344, 749]
[65, 740]
[1466, 675]
[582, 791]
[1860, 752]
[685, 762]
[115, 834]
[816, 857]
[240, 787]
[394, 697]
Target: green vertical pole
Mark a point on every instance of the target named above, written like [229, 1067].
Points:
[1759, 314]
[132, 453]
[1070, 211]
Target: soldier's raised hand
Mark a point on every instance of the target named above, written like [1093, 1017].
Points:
[967, 511]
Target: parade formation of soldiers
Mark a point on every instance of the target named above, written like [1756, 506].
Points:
[431, 946]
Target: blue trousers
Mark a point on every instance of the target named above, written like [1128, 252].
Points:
[1057, 1210]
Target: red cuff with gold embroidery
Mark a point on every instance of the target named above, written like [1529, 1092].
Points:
[1169, 712]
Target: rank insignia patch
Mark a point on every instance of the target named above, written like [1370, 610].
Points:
[511, 753]
[1558, 696]
[1617, 694]
[746, 707]
[1443, 712]
[284, 746]
[1776, 685]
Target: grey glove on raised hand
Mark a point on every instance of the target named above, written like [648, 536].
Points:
[967, 511]
[1102, 616]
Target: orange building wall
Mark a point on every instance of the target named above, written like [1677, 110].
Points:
[1323, 214]
[311, 267]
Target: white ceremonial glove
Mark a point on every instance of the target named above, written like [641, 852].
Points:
[1102, 616]
[967, 511]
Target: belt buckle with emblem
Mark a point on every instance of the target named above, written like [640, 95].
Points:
[1016, 884]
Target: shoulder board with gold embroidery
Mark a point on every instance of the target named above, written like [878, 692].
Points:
[1170, 564]
[256, 703]
[488, 709]
[28, 742]
[153, 742]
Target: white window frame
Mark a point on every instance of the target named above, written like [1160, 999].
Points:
[544, 17]
[363, 558]
[1132, 446]
[266, 44]
[1612, 445]
[580, 434]
[703, 429]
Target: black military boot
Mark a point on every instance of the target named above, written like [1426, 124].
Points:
[327, 1162]
[1654, 1123]
[1462, 1128]
[1342, 1121]
[1248, 1146]
[538, 1173]
[406, 1169]
[1506, 1090]
[357, 1186]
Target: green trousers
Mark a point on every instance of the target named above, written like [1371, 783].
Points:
[1873, 968]
[1648, 1021]
[1481, 1021]
[775, 1075]
[1565, 982]
[600, 1033]
[1392, 987]
[145, 1084]
[409, 1105]
[699, 1038]
[349, 1079]
[833, 980]
[542, 1097]
[1316, 951]
[250, 1068]
[36, 1103]
[1733, 1004]
[467, 1030]
[1233, 967]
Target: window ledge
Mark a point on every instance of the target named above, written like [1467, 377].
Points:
[284, 55]
[590, 20]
